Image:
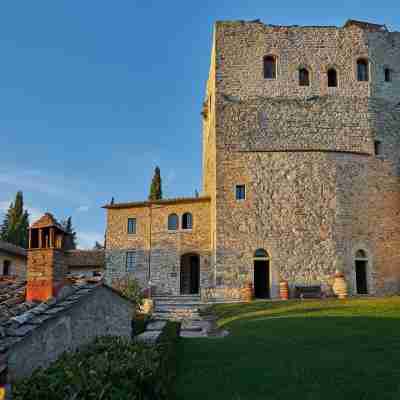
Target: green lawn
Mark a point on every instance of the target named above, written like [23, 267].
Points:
[295, 350]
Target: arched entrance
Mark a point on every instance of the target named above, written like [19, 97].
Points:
[261, 274]
[190, 273]
[361, 265]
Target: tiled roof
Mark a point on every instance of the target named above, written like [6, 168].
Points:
[179, 200]
[19, 319]
[85, 258]
[365, 25]
[12, 299]
[47, 220]
[12, 249]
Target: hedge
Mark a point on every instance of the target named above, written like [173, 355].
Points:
[109, 368]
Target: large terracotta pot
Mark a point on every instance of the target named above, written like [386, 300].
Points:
[340, 286]
[247, 292]
[284, 290]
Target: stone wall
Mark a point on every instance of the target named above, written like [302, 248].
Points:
[162, 264]
[306, 155]
[241, 46]
[66, 326]
[17, 265]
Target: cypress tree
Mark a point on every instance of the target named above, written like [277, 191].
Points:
[14, 228]
[156, 186]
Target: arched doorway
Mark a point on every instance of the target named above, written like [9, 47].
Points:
[361, 265]
[190, 273]
[261, 274]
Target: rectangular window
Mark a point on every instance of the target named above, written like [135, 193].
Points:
[131, 225]
[130, 261]
[240, 192]
[378, 148]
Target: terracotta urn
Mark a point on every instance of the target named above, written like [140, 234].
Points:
[247, 292]
[284, 289]
[340, 285]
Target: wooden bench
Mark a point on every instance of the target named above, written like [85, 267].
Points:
[308, 292]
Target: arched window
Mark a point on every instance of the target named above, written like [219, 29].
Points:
[270, 67]
[332, 77]
[261, 253]
[304, 77]
[361, 267]
[173, 222]
[361, 254]
[362, 70]
[187, 221]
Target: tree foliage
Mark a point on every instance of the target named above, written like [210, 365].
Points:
[14, 228]
[98, 246]
[67, 225]
[156, 186]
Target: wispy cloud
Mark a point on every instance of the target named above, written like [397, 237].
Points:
[86, 240]
[43, 182]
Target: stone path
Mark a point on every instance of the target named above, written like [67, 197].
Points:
[205, 326]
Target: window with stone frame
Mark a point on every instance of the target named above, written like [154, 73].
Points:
[304, 77]
[130, 261]
[187, 221]
[378, 148]
[362, 70]
[240, 192]
[332, 77]
[270, 67]
[173, 222]
[388, 75]
[131, 226]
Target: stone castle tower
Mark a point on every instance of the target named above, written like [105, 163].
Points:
[301, 155]
[301, 140]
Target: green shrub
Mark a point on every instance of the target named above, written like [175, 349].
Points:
[110, 368]
[140, 323]
[130, 288]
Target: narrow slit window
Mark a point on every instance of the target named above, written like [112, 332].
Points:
[240, 192]
[304, 77]
[362, 70]
[270, 67]
[378, 148]
[388, 75]
[332, 77]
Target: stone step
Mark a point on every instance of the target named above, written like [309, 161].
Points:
[178, 305]
[180, 300]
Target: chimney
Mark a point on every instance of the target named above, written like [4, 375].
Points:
[47, 267]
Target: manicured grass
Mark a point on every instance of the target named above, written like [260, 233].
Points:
[328, 349]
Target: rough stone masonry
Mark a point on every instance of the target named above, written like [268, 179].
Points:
[300, 164]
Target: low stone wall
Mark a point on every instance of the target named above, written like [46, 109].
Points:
[42, 335]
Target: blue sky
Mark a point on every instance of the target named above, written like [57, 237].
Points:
[94, 94]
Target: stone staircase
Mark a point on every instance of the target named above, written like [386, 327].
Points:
[177, 308]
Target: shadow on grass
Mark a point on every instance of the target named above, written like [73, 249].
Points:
[228, 313]
[340, 357]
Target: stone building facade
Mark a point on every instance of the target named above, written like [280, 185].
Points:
[301, 140]
[12, 260]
